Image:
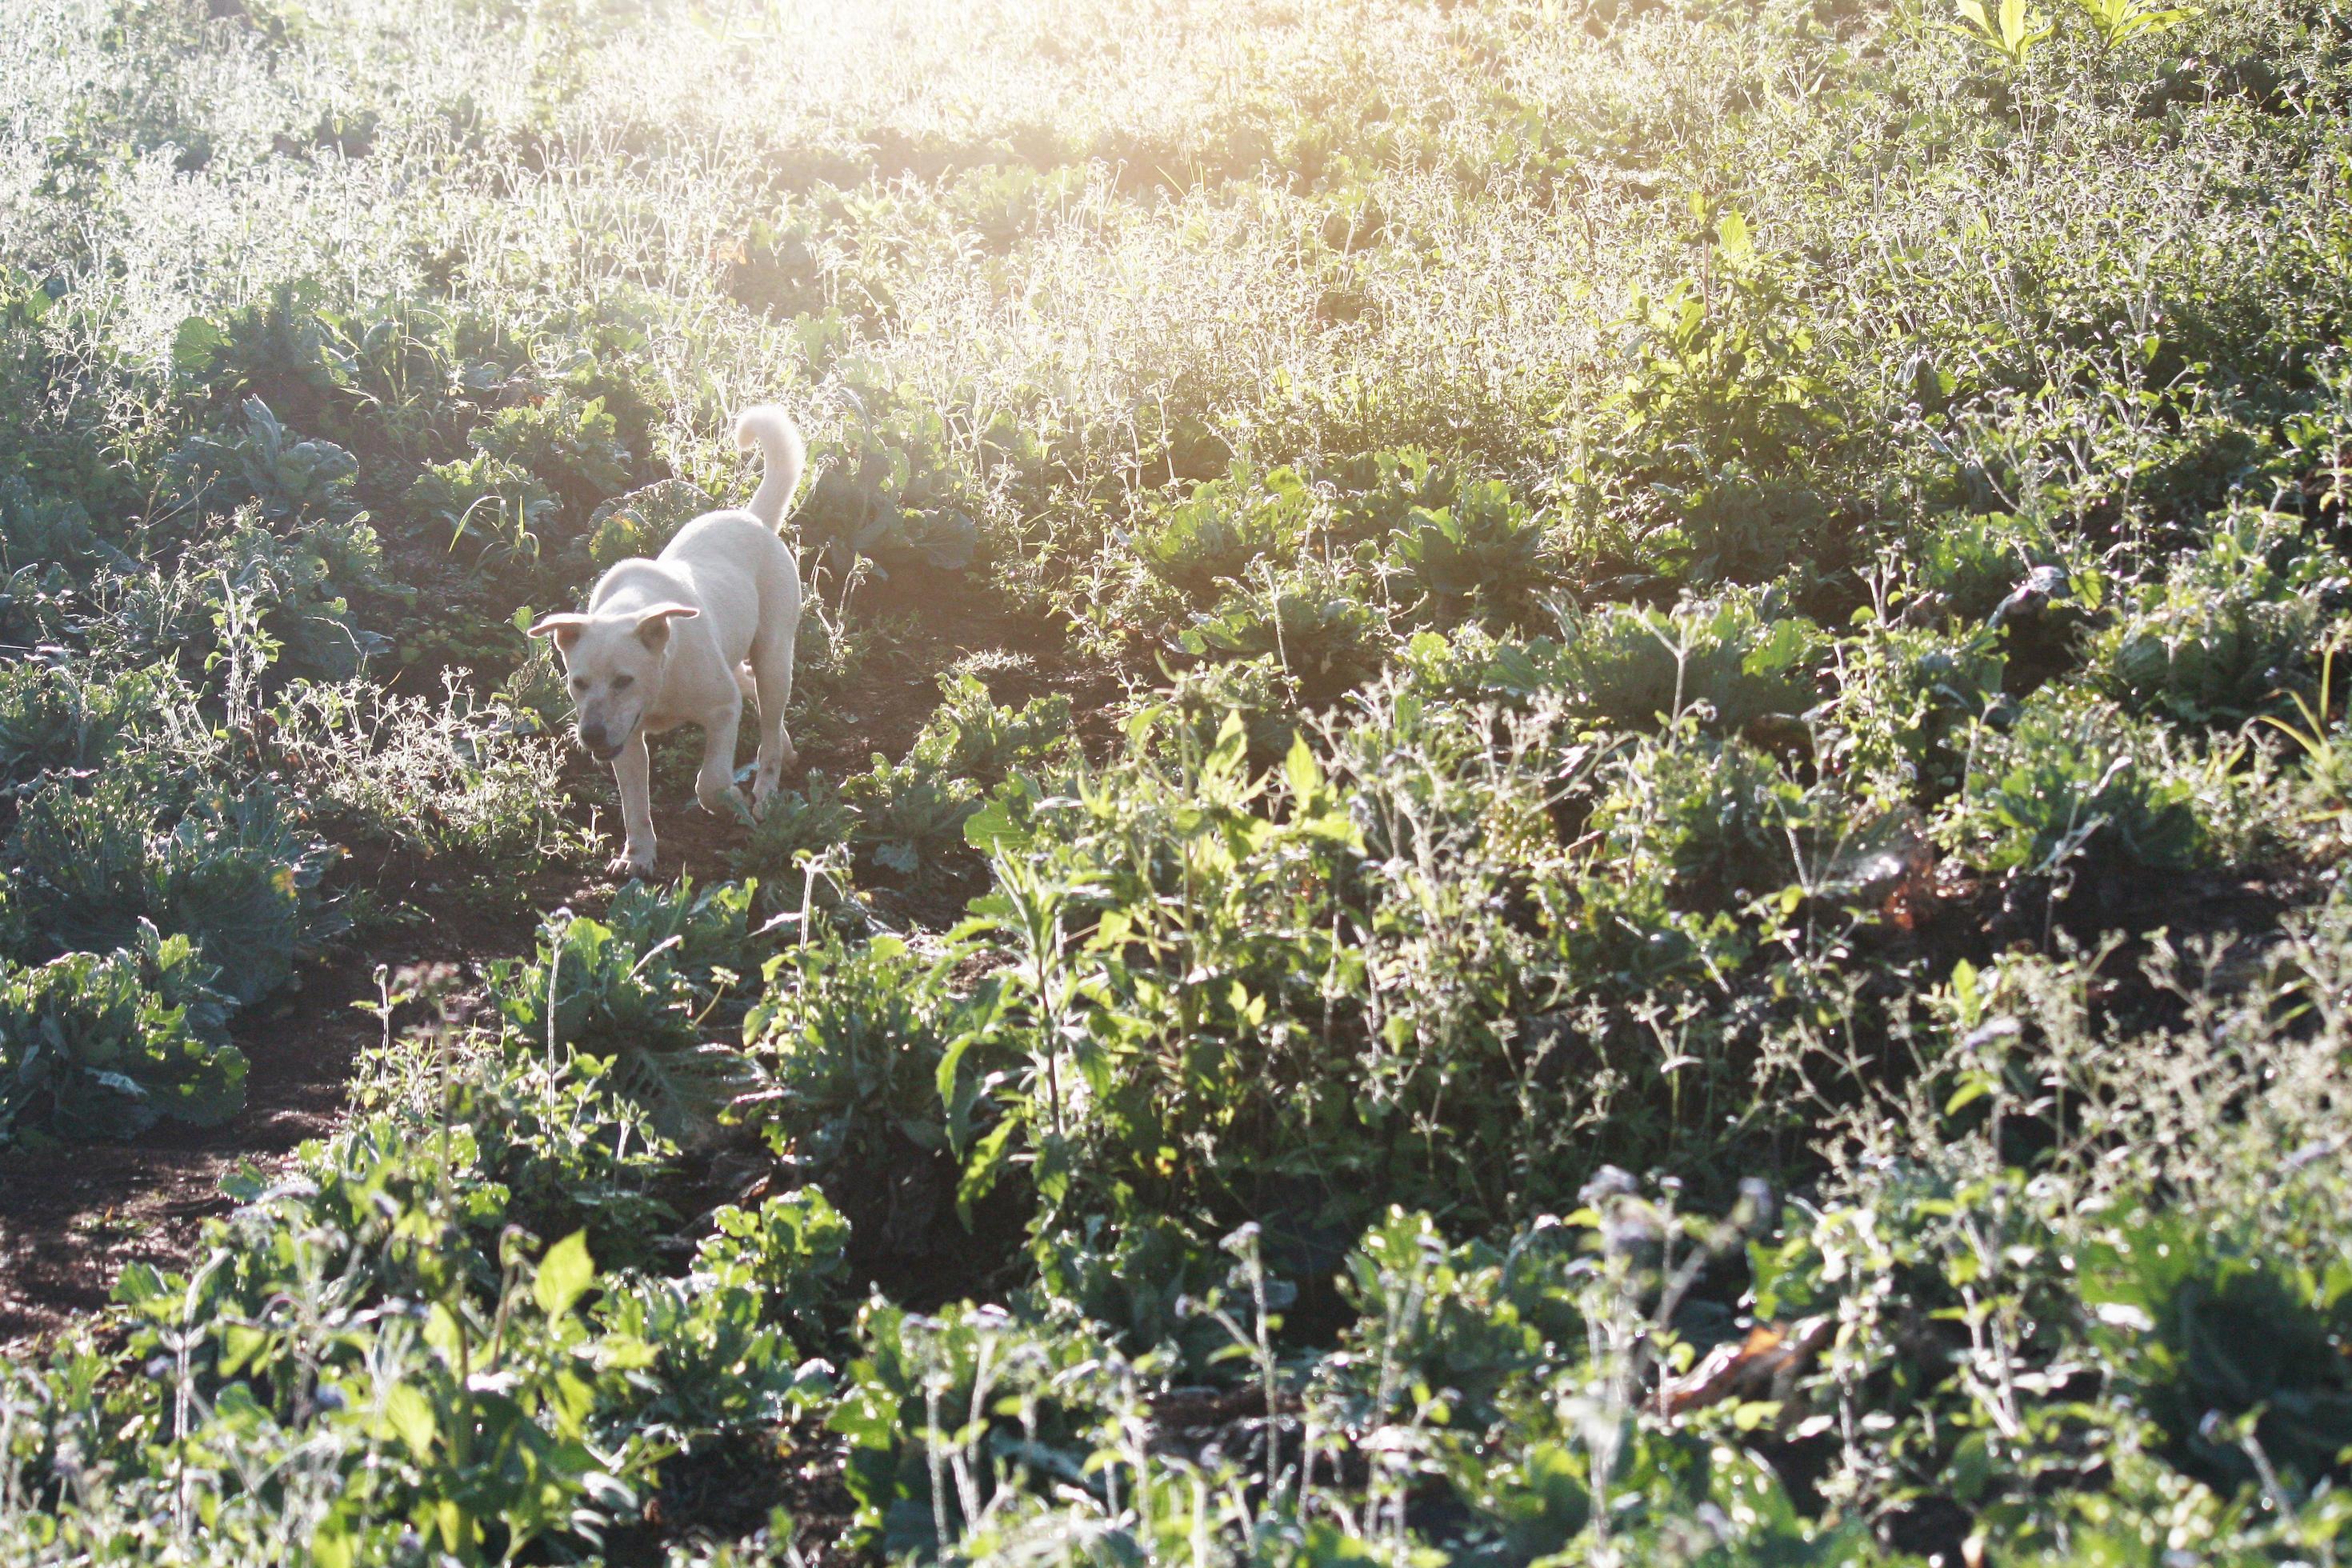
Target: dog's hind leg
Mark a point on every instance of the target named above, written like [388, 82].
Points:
[772, 667]
[631, 770]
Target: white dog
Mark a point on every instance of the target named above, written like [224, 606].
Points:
[685, 639]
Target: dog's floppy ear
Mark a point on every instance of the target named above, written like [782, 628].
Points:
[653, 624]
[564, 629]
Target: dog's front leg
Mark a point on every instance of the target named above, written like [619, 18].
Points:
[714, 787]
[631, 770]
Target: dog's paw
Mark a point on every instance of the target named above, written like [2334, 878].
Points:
[626, 864]
[727, 801]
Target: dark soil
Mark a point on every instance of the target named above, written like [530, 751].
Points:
[728, 1488]
[71, 1217]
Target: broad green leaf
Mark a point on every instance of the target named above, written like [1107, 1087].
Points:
[1300, 768]
[331, 1544]
[1731, 237]
[409, 1413]
[991, 828]
[564, 1274]
[193, 344]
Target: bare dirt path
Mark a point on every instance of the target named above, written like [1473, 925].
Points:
[72, 1216]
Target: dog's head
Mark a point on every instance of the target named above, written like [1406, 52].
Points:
[613, 666]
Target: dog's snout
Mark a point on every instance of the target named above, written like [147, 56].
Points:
[592, 737]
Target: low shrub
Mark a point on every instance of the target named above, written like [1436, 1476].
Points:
[630, 995]
[1216, 536]
[1908, 703]
[39, 530]
[1309, 619]
[569, 446]
[452, 778]
[969, 1392]
[105, 1046]
[237, 873]
[497, 510]
[285, 478]
[2079, 780]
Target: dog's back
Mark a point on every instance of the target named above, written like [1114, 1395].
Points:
[743, 573]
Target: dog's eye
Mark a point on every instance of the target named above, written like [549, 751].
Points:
[579, 683]
[622, 682]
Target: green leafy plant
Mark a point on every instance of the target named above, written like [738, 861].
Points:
[1698, 451]
[854, 1039]
[50, 530]
[237, 873]
[1380, 490]
[1476, 1320]
[1482, 549]
[2237, 1356]
[2216, 641]
[105, 1047]
[2011, 31]
[1326, 638]
[59, 717]
[1224, 527]
[295, 597]
[911, 815]
[1905, 703]
[642, 521]
[2326, 747]
[287, 478]
[971, 737]
[1718, 824]
[969, 1393]
[500, 504]
[2118, 21]
[894, 493]
[2061, 784]
[459, 777]
[790, 845]
[536, 1163]
[1965, 565]
[568, 445]
[276, 350]
[724, 1344]
[1737, 656]
[629, 998]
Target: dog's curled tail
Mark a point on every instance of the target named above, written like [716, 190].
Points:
[772, 430]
